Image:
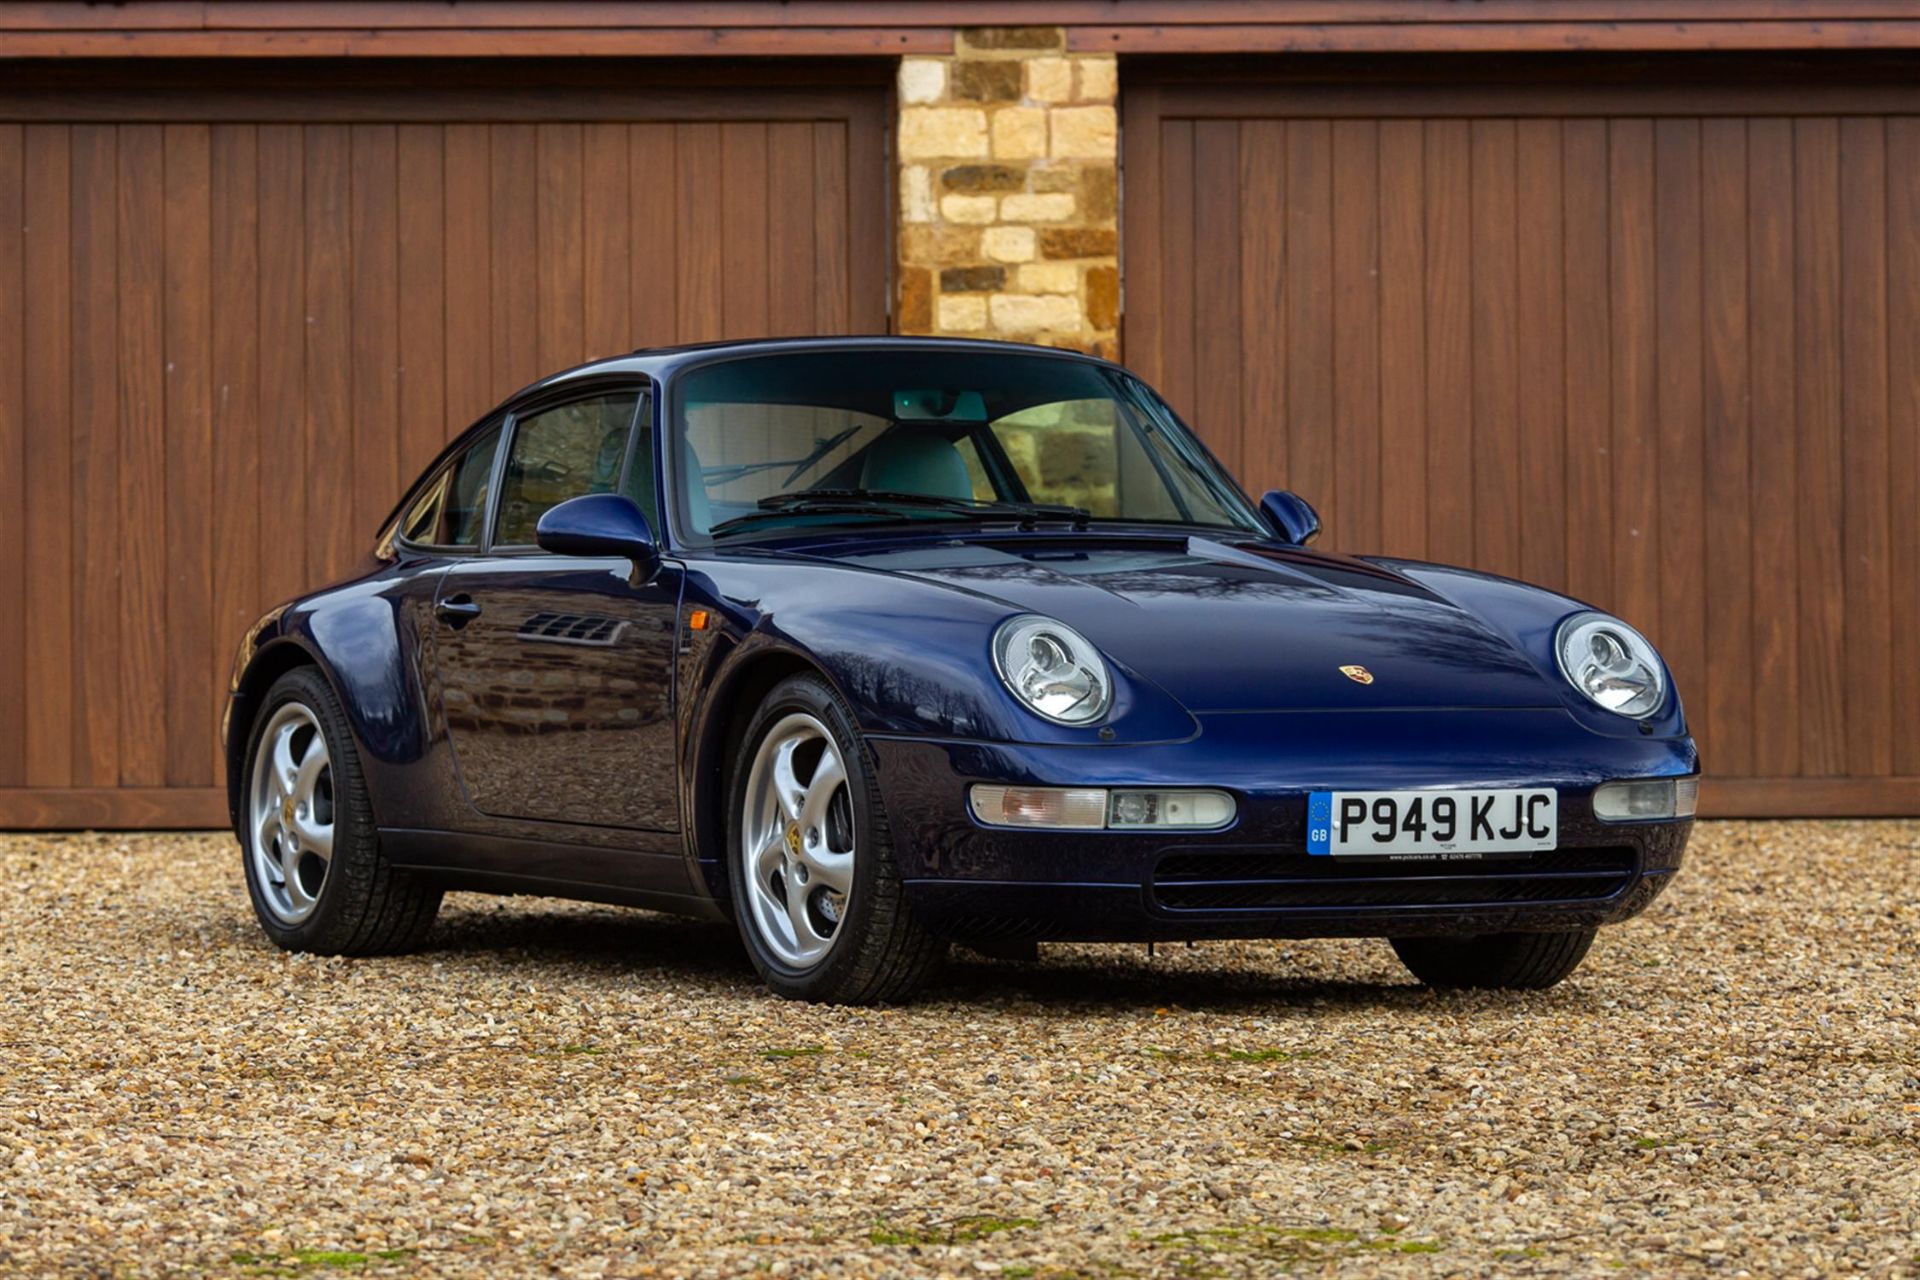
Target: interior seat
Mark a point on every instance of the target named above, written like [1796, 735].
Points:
[916, 461]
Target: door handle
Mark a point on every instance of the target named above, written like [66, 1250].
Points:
[457, 611]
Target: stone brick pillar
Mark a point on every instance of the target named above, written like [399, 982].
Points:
[1009, 155]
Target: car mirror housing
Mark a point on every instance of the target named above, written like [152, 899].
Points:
[600, 524]
[1291, 516]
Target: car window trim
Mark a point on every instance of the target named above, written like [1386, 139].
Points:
[443, 466]
[559, 397]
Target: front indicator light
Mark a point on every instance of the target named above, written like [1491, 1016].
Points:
[1647, 800]
[1069, 808]
[1097, 808]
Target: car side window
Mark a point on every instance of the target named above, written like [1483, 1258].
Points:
[465, 505]
[561, 453]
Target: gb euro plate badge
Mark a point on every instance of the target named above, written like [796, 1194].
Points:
[1462, 824]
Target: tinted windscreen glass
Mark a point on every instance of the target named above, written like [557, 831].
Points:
[771, 442]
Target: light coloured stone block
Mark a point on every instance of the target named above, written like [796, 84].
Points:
[1019, 133]
[1099, 79]
[916, 194]
[1009, 244]
[1049, 79]
[957, 132]
[922, 80]
[969, 210]
[1029, 313]
[963, 313]
[1086, 133]
[1025, 207]
[1049, 277]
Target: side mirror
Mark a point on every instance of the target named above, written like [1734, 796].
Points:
[600, 524]
[1291, 516]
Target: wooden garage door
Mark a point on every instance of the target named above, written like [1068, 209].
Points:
[1656, 348]
[232, 327]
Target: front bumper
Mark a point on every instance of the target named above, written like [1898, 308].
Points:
[1254, 879]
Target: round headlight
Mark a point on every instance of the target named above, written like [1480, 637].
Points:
[1053, 669]
[1612, 664]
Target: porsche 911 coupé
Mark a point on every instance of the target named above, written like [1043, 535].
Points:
[878, 645]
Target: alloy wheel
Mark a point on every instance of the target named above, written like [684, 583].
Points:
[291, 813]
[797, 845]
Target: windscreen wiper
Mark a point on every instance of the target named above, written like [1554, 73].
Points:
[880, 502]
[821, 448]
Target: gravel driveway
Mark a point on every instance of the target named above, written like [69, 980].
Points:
[1731, 1083]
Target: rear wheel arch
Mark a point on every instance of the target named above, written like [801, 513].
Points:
[263, 670]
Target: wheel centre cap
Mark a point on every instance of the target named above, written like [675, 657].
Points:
[286, 811]
[793, 838]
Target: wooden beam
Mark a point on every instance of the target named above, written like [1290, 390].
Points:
[1498, 37]
[113, 808]
[1810, 798]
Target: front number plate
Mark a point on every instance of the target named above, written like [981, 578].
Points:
[1432, 824]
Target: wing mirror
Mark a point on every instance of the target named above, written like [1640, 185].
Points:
[1291, 516]
[600, 524]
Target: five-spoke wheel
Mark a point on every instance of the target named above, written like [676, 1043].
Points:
[799, 840]
[815, 889]
[318, 877]
[291, 817]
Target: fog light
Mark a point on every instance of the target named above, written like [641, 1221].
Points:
[1092, 808]
[1071, 808]
[1647, 800]
[1194, 810]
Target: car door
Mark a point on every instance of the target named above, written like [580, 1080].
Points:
[555, 672]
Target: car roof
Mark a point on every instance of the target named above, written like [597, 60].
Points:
[663, 362]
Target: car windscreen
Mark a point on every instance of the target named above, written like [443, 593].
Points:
[770, 443]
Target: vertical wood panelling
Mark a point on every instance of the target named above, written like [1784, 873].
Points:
[13, 470]
[1903, 426]
[1216, 280]
[1589, 425]
[422, 343]
[1776, 527]
[45, 318]
[1636, 457]
[144, 727]
[558, 200]
[233, 178]
[1449, 346]
[1356, 327]
[225, 347]
[96, 457]
[656, 247]
[1403, 339]
[1669, 364]
[1541, 351]
[1262, 294]
[606, 286]
[1309, 410]
[189, 450]
[1816, 221]
[1680, 624]
[1864, 459]
[1495, 342]
[281, 436]
[373, 321]
[1728, 707]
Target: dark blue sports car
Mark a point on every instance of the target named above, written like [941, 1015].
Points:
[875, 645]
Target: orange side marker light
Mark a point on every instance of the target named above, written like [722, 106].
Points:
[699, 620]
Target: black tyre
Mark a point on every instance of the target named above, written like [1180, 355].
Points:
[318, 880]
[1509, 961]
[810, 858]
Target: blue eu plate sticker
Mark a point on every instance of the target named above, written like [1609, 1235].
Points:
[1320, 822]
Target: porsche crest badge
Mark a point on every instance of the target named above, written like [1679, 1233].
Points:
[1357, 674]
